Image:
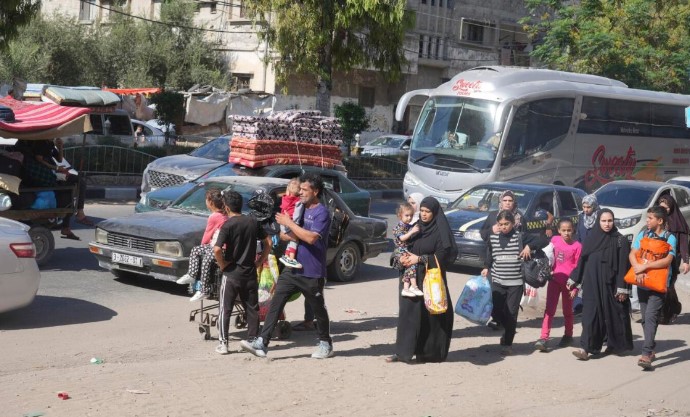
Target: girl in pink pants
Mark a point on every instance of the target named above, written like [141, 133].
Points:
[566, 252]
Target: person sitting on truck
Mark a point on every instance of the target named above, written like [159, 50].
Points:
[71, 177]
[42, 152]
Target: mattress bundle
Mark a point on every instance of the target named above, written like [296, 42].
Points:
[301, 137]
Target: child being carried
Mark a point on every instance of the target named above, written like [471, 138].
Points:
[290, 204]
[402, 233]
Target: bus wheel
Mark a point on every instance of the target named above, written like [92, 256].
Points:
[44, 242]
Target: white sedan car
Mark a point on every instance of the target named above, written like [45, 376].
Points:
[629, 201]
[19, 274]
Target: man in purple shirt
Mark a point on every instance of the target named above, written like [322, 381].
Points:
[311, 235]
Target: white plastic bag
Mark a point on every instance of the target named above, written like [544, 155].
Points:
[530, 298]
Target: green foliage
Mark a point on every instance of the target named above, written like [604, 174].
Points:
[317, 37]
[13, 15]
[644, 43]
[169, 109]
[353, 119]
[125, 52]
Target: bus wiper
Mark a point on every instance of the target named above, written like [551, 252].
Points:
[422, 157]
[455, 161]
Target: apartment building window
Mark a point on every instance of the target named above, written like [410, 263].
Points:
[440, 3]
[85, 11]
[433, 2]
[242, 80]
[421, 46]
[437, 55]
[242, 10]
[213, 7]
[423, 1]
[367, 96]
[475, 33]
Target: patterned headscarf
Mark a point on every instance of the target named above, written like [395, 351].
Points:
[516, 212]
[590, 220]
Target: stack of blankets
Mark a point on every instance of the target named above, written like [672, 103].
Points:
[299, 137]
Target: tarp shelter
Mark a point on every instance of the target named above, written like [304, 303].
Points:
[43, 120]
[132, 91]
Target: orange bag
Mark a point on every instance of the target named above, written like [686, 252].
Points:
[651, 250]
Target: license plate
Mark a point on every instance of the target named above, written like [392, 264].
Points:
[128, 259]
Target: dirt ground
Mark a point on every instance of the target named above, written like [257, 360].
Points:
[156, 364]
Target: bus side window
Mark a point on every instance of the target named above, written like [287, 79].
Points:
[536, 125]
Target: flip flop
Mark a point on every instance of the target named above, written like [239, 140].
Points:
[85, 221]
[70, 236]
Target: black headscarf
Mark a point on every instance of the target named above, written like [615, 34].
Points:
[598, 240]
[435, 234]
[676, 221]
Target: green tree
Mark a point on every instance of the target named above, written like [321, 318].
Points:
[644, 43]
[13, 15]
[125, 52]
[353, 118]
[317, 37]
[169, 109]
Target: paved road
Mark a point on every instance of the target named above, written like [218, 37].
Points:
[139, 327]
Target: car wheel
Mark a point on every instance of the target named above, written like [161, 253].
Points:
[346, 263]
[45, 243]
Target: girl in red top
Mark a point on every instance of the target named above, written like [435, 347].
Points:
[202, 255]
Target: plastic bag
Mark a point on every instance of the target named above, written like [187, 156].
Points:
[530, 297]
[475, 302]
[435, 297]
[44, 200]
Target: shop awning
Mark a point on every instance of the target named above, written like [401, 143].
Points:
[43, 120]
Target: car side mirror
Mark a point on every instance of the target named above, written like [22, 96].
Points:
[405, 147]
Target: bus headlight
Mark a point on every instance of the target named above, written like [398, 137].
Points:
[627, 222]
[168, 248]
[473, 235]
[410, 179]
[101, 236]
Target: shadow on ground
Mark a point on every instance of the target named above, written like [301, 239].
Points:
[47, 311]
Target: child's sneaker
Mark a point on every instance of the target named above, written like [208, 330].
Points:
[565, 341]
[254, 346]
[186, 279]
[416, 291]
[198, 296]
[287, 261]
[407, 293]
[222, 348]
[541, 345]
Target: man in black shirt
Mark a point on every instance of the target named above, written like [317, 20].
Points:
[239, 235]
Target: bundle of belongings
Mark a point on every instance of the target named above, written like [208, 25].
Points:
[301, 137]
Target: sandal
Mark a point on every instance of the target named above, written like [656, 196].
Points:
[85, 221]
[70, 236]
[581, 354]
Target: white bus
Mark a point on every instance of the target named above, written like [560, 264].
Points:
[521, 124]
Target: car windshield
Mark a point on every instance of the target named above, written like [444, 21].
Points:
[625, 197]
[455, 134]
[230, 170]
[195, 201]
[487, 199]
[218, 149]
[387, 141]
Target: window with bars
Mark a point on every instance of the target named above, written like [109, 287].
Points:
[367, 96]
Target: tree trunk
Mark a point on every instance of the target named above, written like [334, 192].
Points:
[323, 96]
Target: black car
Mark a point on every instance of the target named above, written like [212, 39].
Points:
[467, 214]
[158, 243]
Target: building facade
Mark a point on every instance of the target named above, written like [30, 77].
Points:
[449, 36]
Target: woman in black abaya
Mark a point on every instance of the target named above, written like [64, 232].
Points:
[420, 334]
[606, 312]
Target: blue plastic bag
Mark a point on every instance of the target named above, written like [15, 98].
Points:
[44, 200]
[475, 303]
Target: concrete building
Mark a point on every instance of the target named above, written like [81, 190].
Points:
[449, 36]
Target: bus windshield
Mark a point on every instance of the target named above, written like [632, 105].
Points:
[456, 134]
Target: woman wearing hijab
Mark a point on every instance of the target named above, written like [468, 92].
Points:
[588, 217]
[679, 228]
[506, 201]
[601, 271]
[415, 199]
[420, 334]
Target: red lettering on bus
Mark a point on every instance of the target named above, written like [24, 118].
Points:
[608, 168]
[463, 87]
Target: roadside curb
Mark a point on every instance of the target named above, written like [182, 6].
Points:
[130, 193]
[126, 193]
